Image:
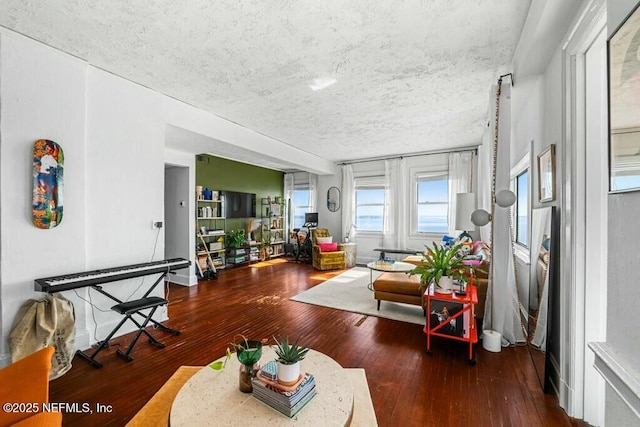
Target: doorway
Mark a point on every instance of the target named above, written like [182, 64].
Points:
[176, 218]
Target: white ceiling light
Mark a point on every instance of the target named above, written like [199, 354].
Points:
[321, 83]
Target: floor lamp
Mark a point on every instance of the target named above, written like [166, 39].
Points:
[492, 340]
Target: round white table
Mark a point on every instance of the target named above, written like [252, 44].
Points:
[212, 397]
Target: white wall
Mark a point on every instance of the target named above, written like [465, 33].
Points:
[113, 133]
[42, 96]
[542, 99]
[326, 218]
[538, 111]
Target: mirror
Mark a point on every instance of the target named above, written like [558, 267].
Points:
[333, 199]
[624, 106]
[543, 252]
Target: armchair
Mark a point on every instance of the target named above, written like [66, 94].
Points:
[323, 259]
[27, 381]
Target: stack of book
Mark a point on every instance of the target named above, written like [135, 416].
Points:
[254, 254]
[287, 400]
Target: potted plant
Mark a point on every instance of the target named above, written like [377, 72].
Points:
[288, 358]
[236, 238]
[440, 265]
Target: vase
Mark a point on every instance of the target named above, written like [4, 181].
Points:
[248, 356]
[246, 376]
[288, 374]
[444, 285]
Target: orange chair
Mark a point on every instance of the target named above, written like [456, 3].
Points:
[27, 382]
[156, 411]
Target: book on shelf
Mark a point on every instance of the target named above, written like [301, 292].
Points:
[286, 401]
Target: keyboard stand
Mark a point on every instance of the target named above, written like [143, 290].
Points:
[129, 309]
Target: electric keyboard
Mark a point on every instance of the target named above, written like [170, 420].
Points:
[97, 277]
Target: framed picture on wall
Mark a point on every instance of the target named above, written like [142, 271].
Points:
[624, 105]
[546, 174]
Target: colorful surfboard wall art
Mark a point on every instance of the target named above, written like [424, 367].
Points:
[48, 170]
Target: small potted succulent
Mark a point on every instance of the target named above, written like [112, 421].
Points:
[288, 358]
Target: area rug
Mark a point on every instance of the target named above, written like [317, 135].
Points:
[348, 291]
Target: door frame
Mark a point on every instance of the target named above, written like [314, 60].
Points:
[573, 397]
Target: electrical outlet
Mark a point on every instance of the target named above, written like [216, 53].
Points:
[156, 224]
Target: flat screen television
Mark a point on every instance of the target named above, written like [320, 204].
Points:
[239, 205]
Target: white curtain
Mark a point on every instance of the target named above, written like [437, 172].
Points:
[313, 192]
[288, 197]
[347, 203]
[395, 230]
[502, 307]
[460, 170]
[484, 179]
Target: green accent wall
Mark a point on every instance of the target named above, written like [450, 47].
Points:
[222, 174]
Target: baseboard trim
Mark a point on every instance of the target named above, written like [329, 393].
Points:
[554, 384]
[619, 374]
[183, 279]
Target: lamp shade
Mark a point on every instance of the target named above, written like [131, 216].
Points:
[505, 198]
[480, 217]
[465, 205]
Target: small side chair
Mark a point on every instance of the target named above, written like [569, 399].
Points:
[331, 257]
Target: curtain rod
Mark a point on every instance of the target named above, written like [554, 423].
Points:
[426, 153]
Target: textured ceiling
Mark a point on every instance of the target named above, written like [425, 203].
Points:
[411, 76]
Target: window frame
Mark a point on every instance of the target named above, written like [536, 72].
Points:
[416, 174]
[298, 187]
[524, 165]
[374, 182]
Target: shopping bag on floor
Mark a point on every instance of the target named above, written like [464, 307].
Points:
[41, 323]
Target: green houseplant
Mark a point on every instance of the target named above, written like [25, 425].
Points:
[249, 353]
[236, 238]
[288, 358]
[440, 262]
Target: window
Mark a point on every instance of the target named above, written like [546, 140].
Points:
[522, 208]
[300, 206]
[520, 180]
[432, 203]
[369, 204]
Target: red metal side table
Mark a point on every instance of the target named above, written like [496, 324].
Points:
[452, 316]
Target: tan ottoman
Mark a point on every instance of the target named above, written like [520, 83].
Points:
[398, 287]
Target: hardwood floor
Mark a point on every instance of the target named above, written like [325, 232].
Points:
[408, 387]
